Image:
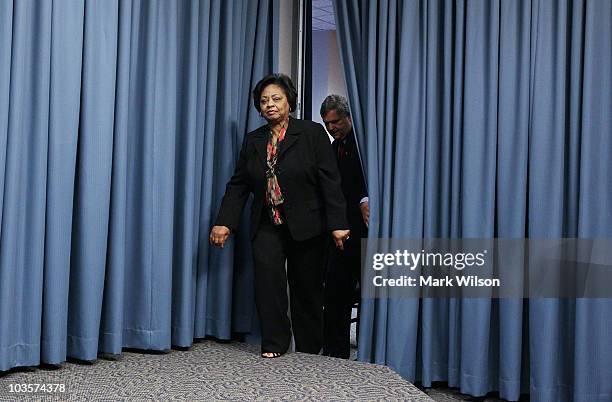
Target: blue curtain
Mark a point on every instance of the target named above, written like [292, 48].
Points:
[486, 119]
[120, 123]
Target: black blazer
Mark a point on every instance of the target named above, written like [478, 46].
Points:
[308, 176]
[354, 189]
[353, 184]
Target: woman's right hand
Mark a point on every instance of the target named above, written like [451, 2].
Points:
[340, 236]
[218, 235]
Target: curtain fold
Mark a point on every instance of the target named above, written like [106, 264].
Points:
[485, 119]
[120, 123]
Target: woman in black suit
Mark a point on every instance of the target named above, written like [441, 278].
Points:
[290, 168]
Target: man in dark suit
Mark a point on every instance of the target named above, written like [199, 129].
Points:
[343, 268]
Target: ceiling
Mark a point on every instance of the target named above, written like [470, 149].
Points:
[323, 15]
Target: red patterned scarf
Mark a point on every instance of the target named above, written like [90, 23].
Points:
[274, 195]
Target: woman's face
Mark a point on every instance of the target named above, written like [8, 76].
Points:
[273, 104]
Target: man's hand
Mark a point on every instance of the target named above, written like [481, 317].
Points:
[218, 235]
[365, 212]
[340, 236]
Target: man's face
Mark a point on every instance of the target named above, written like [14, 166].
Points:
[338, 127]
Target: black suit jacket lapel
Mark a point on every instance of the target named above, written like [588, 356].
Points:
[351, 144]
[291, 136]
[260, 141]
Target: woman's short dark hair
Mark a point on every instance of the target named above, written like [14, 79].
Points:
[277, 79]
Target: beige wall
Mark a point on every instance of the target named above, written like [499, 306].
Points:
[285, 40]
[327, 75]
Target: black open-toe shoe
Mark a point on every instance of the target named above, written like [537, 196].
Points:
[273, 355]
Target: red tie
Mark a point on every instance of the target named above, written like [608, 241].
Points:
[340, 150]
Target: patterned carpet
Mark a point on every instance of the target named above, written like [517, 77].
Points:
[214, 371]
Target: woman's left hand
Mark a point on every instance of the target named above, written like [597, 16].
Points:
[340, 236]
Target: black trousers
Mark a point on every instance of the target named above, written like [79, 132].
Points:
[272, 247]
[341, 279]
